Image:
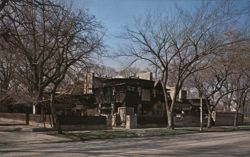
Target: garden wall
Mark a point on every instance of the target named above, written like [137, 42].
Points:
[103, 122]
[151, 121]
[83, 122]
[66, 122]
[227, 118]
[35, 120]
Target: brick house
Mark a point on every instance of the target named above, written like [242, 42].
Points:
[143, 95]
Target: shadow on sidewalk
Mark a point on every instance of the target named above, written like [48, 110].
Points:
[8, 124]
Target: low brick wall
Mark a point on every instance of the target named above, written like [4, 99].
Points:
[151, 121]
[247, 120]
[102, 122]
[190, 120]
[83, 122]
[14, 116]
[67, 122]
[222, 118]
[227, 118]
[35, 120]
[158, 121]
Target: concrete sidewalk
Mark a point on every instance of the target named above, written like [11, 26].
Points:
[15, 132]
[23, 138]
[13, 125]
[215, 144]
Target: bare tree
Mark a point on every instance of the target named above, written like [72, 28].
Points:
[3, 4]
[103, 71]
[240, 96]
[7, 71]
[178, 47]
[226, 78]
[49, 40]
[129, 72]
[240, 80]
[6, 3]
[210, 84]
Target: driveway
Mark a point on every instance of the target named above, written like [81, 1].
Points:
[221, 144]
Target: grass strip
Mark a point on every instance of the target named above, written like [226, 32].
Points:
[149, 132]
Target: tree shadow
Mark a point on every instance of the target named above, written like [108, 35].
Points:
[9, 124]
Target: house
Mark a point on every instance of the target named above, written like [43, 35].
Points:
[143, 95]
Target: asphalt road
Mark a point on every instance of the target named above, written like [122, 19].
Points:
[222, 144]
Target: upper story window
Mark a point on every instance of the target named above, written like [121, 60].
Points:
[130, 88]
[139, 90]
[146, 95]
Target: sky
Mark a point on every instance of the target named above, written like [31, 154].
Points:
[114, 15]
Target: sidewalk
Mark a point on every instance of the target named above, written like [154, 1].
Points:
[15, 132]
[13, 125]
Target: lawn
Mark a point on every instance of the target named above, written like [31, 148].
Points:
[149, 132]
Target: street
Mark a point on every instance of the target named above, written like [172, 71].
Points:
[216, 144]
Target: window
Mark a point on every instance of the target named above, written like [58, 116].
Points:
[146, 96]
[130, 88]
[139, 90]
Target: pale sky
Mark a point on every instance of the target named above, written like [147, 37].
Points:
[115, 14]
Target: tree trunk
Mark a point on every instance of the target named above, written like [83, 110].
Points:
[54, 116]
[236, 118]
[209, 119]
[27, 116]
[168, 110]
[53, 113]
[36, 102]
[201, 114]
[170, 120]
[43, 116]
[50, 120]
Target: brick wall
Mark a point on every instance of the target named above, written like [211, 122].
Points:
[67, 122]
[151, 121]
[35, 120]
[224, 118]
[83, 122]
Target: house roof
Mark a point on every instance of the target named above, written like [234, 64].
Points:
[111, 82]
[69, 101]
